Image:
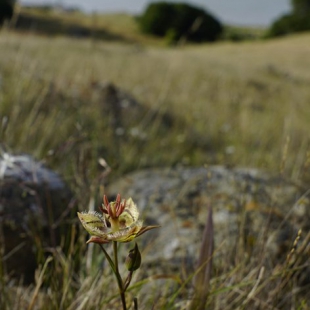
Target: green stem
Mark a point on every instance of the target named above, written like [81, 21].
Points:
[118, 277]
[115, 256]
[128, 280]
[114, 267]
[135, 303]
[108, 258]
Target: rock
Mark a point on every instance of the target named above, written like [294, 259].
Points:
[252, 211]
[131, 119]
[34, 203]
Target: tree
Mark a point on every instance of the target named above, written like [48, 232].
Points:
[298, 20]
[179, 20]
[301, 7]
[6, 10]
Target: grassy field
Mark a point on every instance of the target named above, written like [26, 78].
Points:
[244, 104]
[244, 101]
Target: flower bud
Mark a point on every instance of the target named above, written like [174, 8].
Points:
[133, 260]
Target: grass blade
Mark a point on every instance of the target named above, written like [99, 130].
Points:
[203, 276]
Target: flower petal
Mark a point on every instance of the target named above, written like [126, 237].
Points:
[126, 234]
[130, 214]
[146, 228]
[94, 239]
[94, 223]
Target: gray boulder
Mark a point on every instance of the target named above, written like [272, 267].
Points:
[252, 211]
[34, 204]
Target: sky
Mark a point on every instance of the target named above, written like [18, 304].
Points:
[238, 12]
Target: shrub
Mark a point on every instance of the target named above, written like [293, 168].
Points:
[184, 21]
[289, 24]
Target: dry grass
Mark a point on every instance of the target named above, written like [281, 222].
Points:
[242, 100]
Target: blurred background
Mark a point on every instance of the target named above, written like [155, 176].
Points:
[153, 84]
[240, 12]
[97, 89]
[216, 82]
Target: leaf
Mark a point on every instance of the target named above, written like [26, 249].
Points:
[204, 268]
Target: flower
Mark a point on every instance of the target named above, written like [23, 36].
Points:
[119, 222]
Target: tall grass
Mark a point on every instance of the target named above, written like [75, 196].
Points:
[243, 100]
[244, 105]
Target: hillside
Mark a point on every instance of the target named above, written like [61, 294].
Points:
[245, 100]
[54, 21]
[74, 23]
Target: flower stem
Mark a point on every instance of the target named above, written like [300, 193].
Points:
[108, 258]
[114, 267]
[118, 277]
